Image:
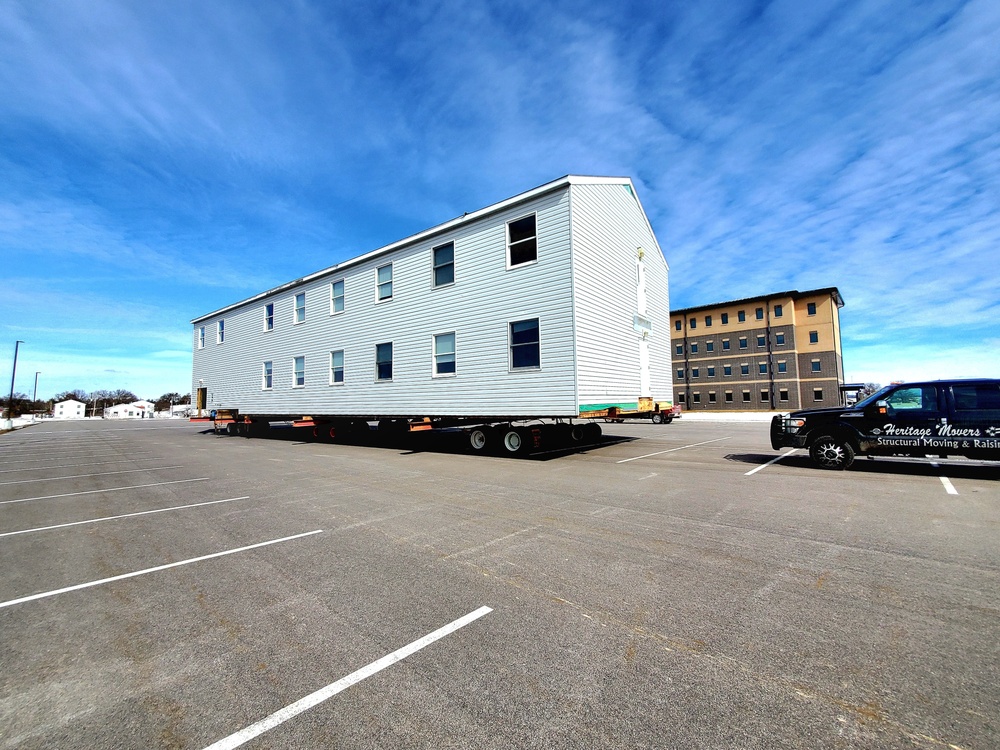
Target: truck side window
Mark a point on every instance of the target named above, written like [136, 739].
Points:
[923, 398]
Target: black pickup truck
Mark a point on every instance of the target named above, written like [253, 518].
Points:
[937, 418]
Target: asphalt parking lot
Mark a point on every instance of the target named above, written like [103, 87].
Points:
[674, 587]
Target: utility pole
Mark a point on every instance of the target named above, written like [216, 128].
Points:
[10, 402]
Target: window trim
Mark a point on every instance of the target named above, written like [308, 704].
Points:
[510, 345]
[296, 308]
[268, 317]
[435, 355]
[342, 297]
[392, 357]
[220, 331]
[343, 368]
[201, 337]
[379, 299]
[435, 266]
[508, 244]
[295, 372]
[267, 373]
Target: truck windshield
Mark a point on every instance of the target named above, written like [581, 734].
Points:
[880, 393]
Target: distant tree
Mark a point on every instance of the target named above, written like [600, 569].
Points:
[165, 401]
[97, 400]
[14, 408]
[121, 396]
[868, 390]
[76, 395]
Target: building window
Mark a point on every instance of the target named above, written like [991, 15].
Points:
[816, 366]
[779, 339]
[783, 394]
[711, 372]
[383, 361]
[759, 312]
[765, 396]
[817, 394]
[299, 372]
[696, 397]
[777, 311]
[300, 307]
[694, 348]
[680, 398]
[762, 368]
[444, 264]
[220, 335]
[677, 325]
[269, 316]
[729, 397]
[743, 342]
[525, 351]
[383, 282]
[680, 373]
[811, 308]
[693, 322]
[337, 297]
[762, 341]
[709, 346]
[813, 337]
[746, 397]
[267, 377]
[522, 243]
[725, 319]
[725, 345]
[708, 321]
[741, 316]
[727, 370]
[782, 367]
[744, 369]
[337, 367]
[444, 354]
[680, 349]
[711, 397]
[201, 337]
[694, 372]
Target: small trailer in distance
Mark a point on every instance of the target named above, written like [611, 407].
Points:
[509, 325]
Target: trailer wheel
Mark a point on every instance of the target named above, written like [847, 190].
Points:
[231, 428]
[516, 441]
[657, 417]
[668, 420]
[576, 433]
[479, 439]
[592, 432]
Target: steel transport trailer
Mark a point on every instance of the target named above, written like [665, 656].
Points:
[512, 323]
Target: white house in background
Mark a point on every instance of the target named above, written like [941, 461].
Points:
[135, 410]
[69, 409]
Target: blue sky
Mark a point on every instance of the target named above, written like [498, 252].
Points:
[159, 160]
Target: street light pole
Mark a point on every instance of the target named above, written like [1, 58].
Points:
[34, 396]
[10, 401]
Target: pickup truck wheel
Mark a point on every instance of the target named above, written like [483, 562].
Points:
[657, 418]
[831, 452]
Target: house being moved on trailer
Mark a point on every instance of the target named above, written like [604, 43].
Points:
[551, 304]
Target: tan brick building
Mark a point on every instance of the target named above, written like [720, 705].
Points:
[778, 351]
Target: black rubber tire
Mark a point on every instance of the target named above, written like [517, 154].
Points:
[592, 432]
[516, 441]
[657, 418]
[232, 428]
[830, 452]
[668, 420]
[576, 433]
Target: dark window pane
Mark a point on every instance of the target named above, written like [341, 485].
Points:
[522, 229]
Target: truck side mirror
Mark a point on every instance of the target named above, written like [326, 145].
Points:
[877, 410]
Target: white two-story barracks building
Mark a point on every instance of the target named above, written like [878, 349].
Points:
[552, 303]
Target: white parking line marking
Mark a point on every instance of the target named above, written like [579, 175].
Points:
[101, 474]
[110, 489]
[313, 699]
[89, 584]
[772, 461]
[671, 450]
[63, 456]
[71, 466]
[948, 486]
[125, 515]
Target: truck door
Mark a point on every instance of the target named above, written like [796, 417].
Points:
[912, 421]
[976, 409]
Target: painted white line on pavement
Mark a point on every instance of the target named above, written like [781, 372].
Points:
[71, 466]
[124, 515]
[671, 450]
[110, 489]
[101, 474]
[89, 584]
[313, 699]
[772, 461]
[62, 456]
[948, 486]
